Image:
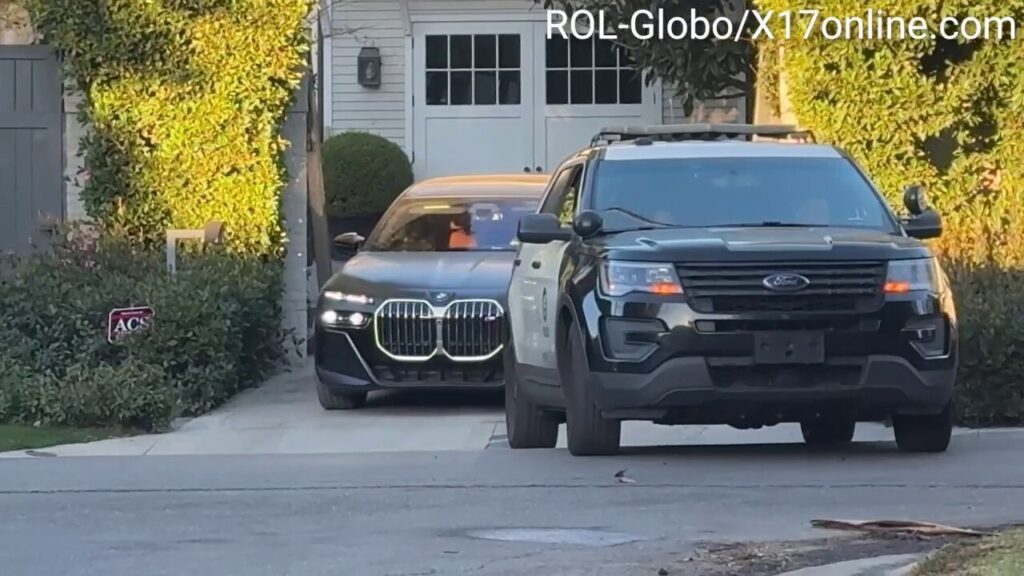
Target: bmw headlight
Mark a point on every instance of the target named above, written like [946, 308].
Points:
[621, 278]
[336, 319]
[912, 276]
[336, 296]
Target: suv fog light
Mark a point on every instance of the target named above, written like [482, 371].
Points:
[928, 337]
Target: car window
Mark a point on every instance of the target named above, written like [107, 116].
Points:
[747, 191]
[564, 194]
[568, 205]
[451, 225]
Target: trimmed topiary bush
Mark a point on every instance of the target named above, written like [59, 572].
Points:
[363, 174]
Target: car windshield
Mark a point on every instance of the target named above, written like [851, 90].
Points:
[739, 191]
[451, 225]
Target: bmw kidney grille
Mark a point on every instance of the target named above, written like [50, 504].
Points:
[416, 331]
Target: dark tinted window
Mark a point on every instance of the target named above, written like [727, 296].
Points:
[448, 225]
[734, 191]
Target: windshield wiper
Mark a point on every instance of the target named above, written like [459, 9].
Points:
[636, 216]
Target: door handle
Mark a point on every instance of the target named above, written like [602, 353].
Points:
[535, 264]
[526, 169]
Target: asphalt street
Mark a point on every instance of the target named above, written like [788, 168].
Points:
[470, 507]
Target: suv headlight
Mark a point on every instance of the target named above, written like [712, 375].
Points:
[912, 275]
[621, 278]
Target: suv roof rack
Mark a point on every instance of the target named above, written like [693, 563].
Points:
[705, 132]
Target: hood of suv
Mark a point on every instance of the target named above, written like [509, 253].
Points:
[746, 244]
[422, 274]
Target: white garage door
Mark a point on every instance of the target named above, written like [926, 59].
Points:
[501, 97]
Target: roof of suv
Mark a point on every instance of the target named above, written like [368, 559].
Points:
[716, 149]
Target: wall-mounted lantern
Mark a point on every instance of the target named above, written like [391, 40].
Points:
[368, 64]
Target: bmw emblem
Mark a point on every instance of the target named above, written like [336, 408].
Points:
[785, 282]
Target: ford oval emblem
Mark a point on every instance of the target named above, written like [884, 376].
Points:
[785, 282]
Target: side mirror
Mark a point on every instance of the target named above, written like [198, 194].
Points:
[587, 223]
[347, 244]
[926, 225]
[541, 229]
[914, 199]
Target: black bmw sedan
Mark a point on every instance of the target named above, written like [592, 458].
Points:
[421, 302]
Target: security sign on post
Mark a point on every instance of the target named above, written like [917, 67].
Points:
[123, 321]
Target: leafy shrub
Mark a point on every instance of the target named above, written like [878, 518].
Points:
[217, 331]
[185, 100]
[363, 174]
[950, 116]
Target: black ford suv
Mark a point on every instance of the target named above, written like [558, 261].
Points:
[726, 274]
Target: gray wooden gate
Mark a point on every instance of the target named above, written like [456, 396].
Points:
[31, 146]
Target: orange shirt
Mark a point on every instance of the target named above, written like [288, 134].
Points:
[460, 240]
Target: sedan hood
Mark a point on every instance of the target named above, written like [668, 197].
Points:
[420, 274]
[754, 244]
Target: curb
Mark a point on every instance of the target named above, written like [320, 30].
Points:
[892, 565]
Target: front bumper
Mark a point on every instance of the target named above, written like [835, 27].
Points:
[347, 360]
[666, 362]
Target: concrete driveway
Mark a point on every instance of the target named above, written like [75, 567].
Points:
[284, 417]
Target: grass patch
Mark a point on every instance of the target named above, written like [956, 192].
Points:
[998, 556]
[22, 437]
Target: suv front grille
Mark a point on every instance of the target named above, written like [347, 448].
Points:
[464, 331]
[834, 286]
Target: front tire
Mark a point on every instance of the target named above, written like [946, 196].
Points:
[830, 432]
[527, 425]
[924, 433]
[331, 400]
[588, 433]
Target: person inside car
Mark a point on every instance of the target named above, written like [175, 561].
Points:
[461, 236]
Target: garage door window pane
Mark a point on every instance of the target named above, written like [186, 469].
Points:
[437, 52]
[484, 88]
[606, 87]
[508, 87]
[630, 89]
[485, 51]
[581, 87]
[508, 51]
[437, 88]
[605, 55]
[558, 87]
[462, 88]
[581, 53]
[557, 52]
[461, 52]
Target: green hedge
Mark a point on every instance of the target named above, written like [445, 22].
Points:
[363, 174]
[217, 331]
[949, 116]
[186, 99]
